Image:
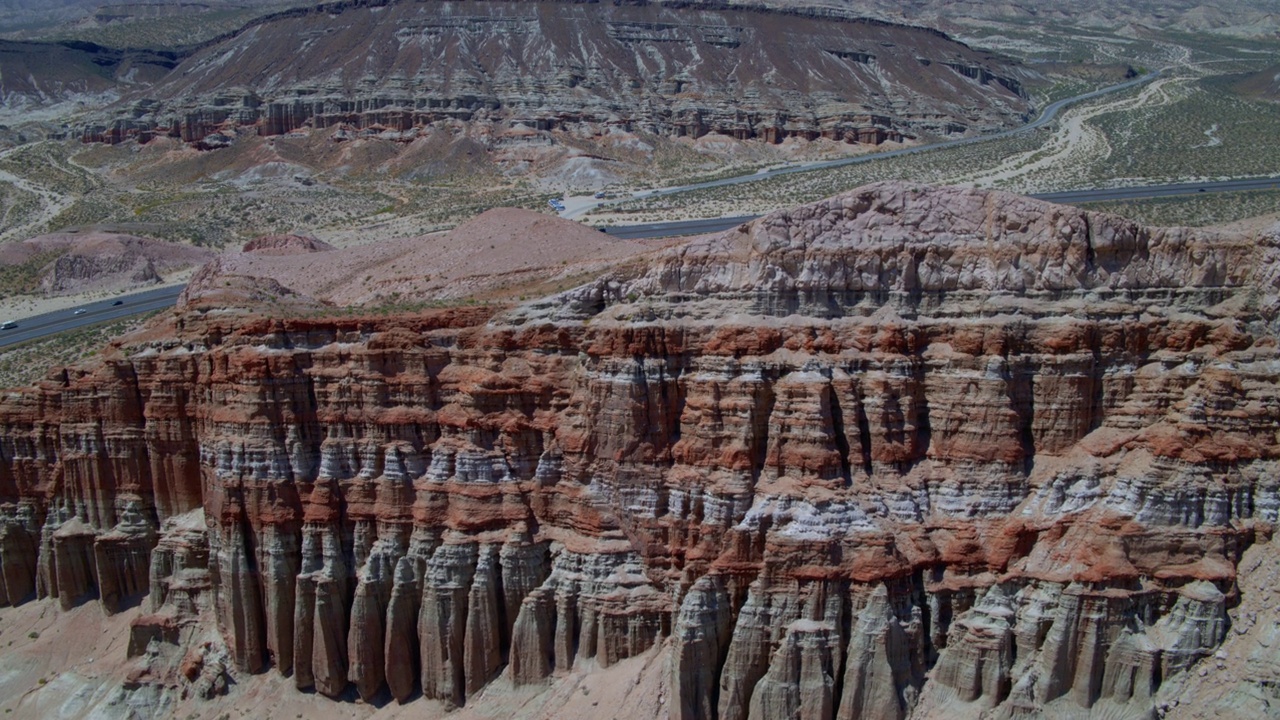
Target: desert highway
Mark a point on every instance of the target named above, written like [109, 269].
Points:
[39, 326]
[1066, 197]
[101, 311]
[1073, 197]
[32, 328]
[580, 206]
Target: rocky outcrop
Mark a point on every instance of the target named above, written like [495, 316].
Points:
[1238, 679]
[88, 260]
[886, 659]
[676, 70]
[107, 261]
[907, 452]
[800, 682]
[285, 245]
[20, 538]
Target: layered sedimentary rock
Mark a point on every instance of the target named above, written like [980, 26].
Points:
[399, 69]
[905, 452]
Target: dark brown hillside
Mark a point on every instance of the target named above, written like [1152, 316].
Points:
[43, 70]
[687, 69]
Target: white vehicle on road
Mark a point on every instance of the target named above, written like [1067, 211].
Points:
[8, 325]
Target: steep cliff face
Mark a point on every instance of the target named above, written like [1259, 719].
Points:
[396, 69]
[904, 453]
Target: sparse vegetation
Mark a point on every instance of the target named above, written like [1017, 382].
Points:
[17, 206]
[46, 164]
[26, 363]
[1204, 130]
[23, 278]
[219, 199]
[1196, 210]
[1184, 128]
[1191, 126]
[785, 190]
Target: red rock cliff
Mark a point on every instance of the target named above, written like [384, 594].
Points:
[905, 451]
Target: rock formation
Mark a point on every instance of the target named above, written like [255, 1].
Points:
[82, 261]
[907, 452]
[397, 69]
[285, 245]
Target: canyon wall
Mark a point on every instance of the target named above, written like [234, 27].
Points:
[396, 69]
[903, 453]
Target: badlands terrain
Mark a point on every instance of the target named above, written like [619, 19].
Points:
[908, 445]
[906, 452]
[319, 139]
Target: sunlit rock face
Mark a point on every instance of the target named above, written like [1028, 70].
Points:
[514, 71]
[907, 452]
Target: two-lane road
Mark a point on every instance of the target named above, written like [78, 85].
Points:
[95, 313]
[1074, 197]
[581, 206]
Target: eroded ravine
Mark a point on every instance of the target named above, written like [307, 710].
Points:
[905, 452]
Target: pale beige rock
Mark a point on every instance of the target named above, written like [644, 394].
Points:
[482, 654]
[442, 622]
[801, 681]
[882, 665]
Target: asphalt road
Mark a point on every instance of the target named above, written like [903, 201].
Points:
[671, 229]
[1071, 197]
[94, 313]
[1046, 116]
[1066, 197]
[105, 311]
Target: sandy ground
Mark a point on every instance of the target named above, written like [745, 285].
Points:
[51, 204]
[504, 252]
[71, 664]
[632, 689]
[99, 276]
[76, 665]
[23, 306]
[500, 253]
[1269, 222]
[1074, 144]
